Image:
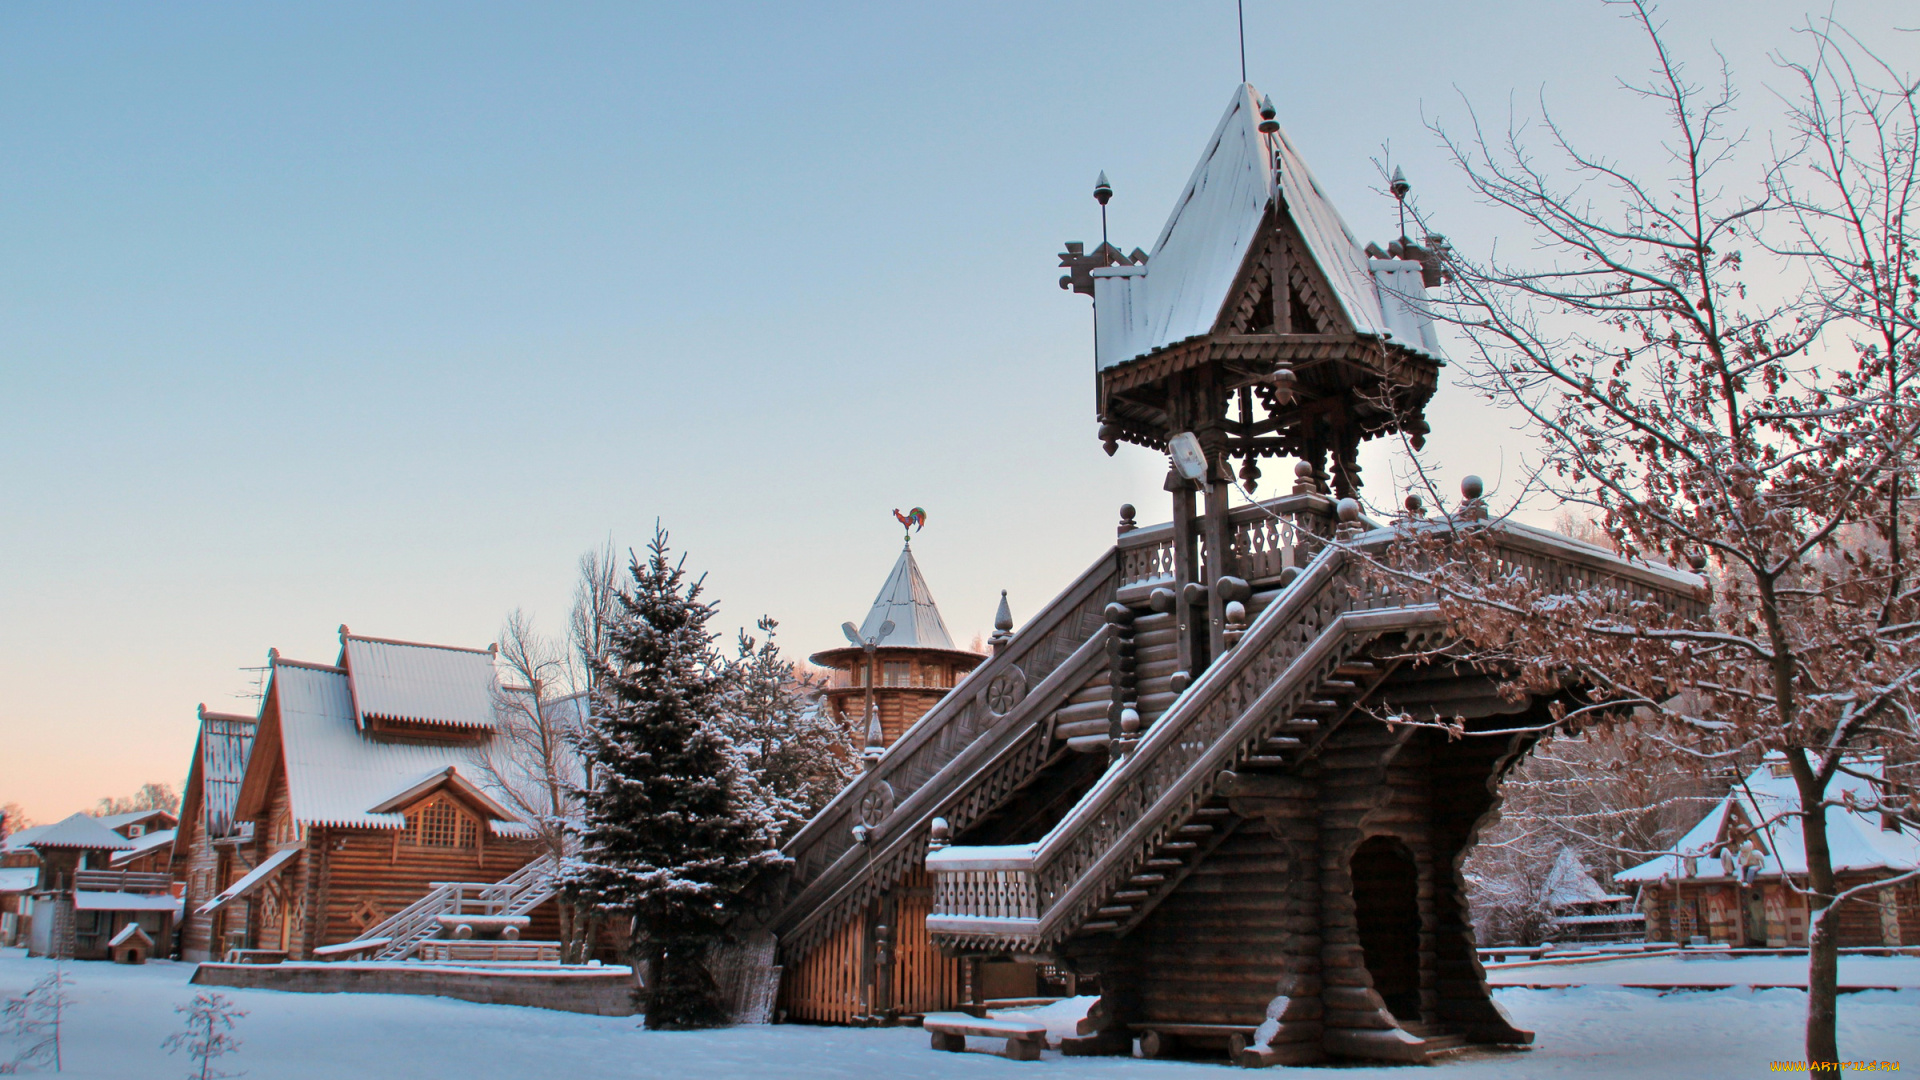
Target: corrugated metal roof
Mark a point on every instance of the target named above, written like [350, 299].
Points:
[1189, 276]
[116, 822]
[1855, 839]
[421, 684]
[905, 602]
[225, 744]
[143, 844]
[82, 832]
[335, 771]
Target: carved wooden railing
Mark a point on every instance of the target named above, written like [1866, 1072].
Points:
[1331, 610]
[121, 881]
[1265, 540]
[969, 752]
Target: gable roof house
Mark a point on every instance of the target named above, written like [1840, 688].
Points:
[362, 789]
[209, 833]
[1737, 877]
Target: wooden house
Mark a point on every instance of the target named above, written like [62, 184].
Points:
[912, 664]
[1178, 781]
[1738, 877]
[210, 834]
[79, 900]
[362, 800]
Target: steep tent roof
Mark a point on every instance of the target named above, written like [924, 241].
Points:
[80, 832]
[418, 684]
[905, 602]
[1856, 840]
[1178, 293]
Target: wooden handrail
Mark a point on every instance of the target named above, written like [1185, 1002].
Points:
[1109, 830]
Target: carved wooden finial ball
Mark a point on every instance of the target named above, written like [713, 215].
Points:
[1003, 619]
[1348, 510]
[1302, 469]
[1129, 722]
[1236, 613]
[1472, 487]
[940, 830]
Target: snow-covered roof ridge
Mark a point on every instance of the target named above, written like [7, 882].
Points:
[336, 772]
[411, 682]
[1855, 838]
[906, 602]
[1187, 280]
[80, 832]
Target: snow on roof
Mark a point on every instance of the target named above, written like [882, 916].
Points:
[143, 844]
[18, 878]
[128, 933]
[80, 832]
[336, 773]
[905, 602]
[254, 878]
[1179, 292]
[225, 743]
[420, 684]
[22, 839]
[84, 900]
[1855, 838]
[116, 822]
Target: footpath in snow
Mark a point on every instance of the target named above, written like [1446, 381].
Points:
[120, 1016]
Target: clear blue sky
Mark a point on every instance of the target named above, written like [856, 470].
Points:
[382, 313]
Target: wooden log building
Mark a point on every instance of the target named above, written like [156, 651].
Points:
[1173, 783]
[1739, 876]
[360, 797]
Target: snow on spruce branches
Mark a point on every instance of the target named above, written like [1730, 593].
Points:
[675, 827]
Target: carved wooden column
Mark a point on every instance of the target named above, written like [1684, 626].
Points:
[1186, 569]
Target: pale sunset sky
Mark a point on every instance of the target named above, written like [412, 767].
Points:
[382, 313]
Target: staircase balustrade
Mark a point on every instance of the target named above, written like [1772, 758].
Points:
[518, 893]
[1332, 609]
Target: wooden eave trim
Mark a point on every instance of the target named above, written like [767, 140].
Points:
[256, 786]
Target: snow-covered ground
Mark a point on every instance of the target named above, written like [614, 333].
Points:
[1707, 969]
[121, 1014]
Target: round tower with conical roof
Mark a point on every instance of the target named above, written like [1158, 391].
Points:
[905, 660]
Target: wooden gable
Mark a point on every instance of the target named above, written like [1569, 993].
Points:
[1304, 306]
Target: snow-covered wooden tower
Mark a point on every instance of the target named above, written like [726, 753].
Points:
[1175, 781]
[911, 666]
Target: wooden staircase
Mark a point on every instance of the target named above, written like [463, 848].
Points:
[517, 894]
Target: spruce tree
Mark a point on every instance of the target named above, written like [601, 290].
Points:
[800, 753]
[674, 826]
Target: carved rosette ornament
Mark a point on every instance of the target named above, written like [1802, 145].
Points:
[876, 804]
[1006, 690]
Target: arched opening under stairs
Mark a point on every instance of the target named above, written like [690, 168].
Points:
[1386, 888]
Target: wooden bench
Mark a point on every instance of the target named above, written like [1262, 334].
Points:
[1025, 1039]
[1159, 1040]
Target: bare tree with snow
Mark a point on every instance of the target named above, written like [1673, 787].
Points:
[1720, 364]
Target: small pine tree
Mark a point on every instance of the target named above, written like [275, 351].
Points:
[674, 825]
[207, 1033]
[799, 752]
[33, 1019]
